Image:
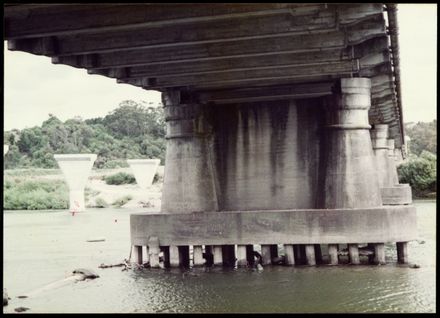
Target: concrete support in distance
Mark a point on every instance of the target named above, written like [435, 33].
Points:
[76, 169]
[393, 178]
[144, 171]
[379, 135]
[5, 149]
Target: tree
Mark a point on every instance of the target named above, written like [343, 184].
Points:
[420, 173]
[423, 137]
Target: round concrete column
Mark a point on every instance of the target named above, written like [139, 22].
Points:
[188, 180]
[350, 179]
[393, 178]
[5, 149]
[379, 135]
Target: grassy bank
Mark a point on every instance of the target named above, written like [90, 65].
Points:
[46, 189]
[20, 194]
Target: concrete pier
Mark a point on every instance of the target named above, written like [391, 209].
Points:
[174, 257]
[5, 149]
[379, 135]
[353, 253]
[218, 256]
[318, 253]
[402, 252]
[379, 254]
[184, 258]
[153, 251]
[310, 255]
[188, 180]
[228, 254]
[250, 254]
[242, 257]
[266, 254]
[290, 254]
[198, 255]
[333, 254]
[76, 169]
[349, 183]
[138, 254]
[144, 171]
[393, 178]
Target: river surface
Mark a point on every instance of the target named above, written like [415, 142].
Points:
[45, 246]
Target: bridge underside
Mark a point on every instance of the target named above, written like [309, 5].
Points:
[269, 109]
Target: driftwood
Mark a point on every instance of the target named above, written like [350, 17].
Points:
[126, 264]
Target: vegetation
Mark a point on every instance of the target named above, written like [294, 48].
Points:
[120, 178]
[100, 203]
[420, 168]
[131, 131]
[31, 194]
[121, 201]
[421, 173]
[423, 137]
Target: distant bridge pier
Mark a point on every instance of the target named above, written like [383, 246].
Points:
[76, 169]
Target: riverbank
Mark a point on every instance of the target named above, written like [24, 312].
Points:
[40, 189]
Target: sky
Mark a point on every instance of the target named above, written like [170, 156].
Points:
[34, 87]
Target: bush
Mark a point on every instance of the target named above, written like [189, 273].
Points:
[120, 178]
[121, 201]
[35, 195]
[113, 164]
[100, 203]
[420, 173]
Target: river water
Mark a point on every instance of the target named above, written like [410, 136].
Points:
[45, 246]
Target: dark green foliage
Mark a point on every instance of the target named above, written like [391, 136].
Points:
[120, 178]
[132, 131]
[421, 173]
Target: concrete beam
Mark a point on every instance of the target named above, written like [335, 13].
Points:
[269, 93]
[369, 47]
[88, 18]
[260, 73]
[204, 31]
[321, 226]
[242, 48]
